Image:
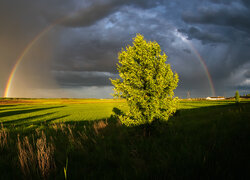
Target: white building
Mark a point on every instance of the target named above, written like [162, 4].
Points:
[215, 98]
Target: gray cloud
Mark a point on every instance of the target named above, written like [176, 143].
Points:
[230, 16]
[100, 9]
[89, 15]
[187, 51]
[205, 37]
[247, 74]
[84, 78]
[246, 3]
[80, 52]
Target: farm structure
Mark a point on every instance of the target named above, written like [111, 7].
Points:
[215, 98]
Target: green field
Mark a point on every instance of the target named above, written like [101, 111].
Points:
[33, 113]
[203, 140]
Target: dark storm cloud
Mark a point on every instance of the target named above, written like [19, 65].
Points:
[235, 17]
[225, 1]
[225, 65]
[244, 89]
[246, 2]
[205, 37]
[96, 50]
[85, 78]
[247, 74]
[187, 51]
[89, 15]
[81, 50]
[100, 9]
[88, 54]
[226, 26]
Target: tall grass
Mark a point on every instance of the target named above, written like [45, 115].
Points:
[45, 152]
[26, 155]
[3, 137]
[36, 159]
[100, 125]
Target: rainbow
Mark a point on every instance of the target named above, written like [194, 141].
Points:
[204, 67]
[202, 61]
[48, 28]
[25, 51]
[20, 58]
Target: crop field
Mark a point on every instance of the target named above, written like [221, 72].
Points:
[33, 113]
[82, 139]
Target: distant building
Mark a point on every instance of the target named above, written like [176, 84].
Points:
[215, 98]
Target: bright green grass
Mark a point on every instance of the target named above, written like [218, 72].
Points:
[34, 112]
[30, 115]
[188, 104]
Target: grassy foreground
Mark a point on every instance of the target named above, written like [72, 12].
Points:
[80, 139]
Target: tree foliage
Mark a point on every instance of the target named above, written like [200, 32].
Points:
[237, 97]
[146, 82]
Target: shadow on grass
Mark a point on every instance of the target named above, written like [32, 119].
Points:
[22, 121]
[15, 108]
[17, 112]
[42, 122]
[7, 105]
[201, 143]
[209, 114]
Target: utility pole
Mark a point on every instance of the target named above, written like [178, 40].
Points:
[188, 95]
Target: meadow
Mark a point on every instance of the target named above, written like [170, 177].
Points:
[82, 139]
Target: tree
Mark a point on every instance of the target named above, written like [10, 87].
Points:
[237, 97]
[147, 83]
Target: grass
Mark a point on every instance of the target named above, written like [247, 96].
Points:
[44, 139]
[33, 113]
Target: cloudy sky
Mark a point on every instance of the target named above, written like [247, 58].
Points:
[76, 52]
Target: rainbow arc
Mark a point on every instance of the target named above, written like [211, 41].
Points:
[50, 27]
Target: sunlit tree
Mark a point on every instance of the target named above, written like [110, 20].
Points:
[146, 82]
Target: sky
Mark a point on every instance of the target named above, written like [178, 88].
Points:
[69, 48]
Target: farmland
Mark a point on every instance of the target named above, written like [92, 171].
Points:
[81, 138]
